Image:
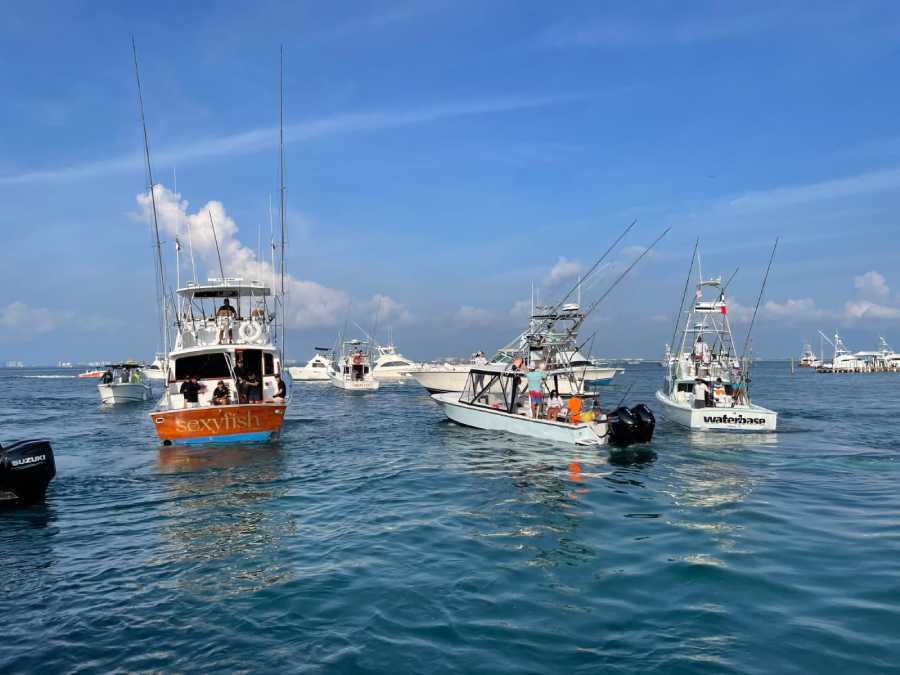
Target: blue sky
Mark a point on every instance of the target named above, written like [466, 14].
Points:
[444, 156]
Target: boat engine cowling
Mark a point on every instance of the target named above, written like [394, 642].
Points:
[623, 427]
[26, 469]
[646, 422]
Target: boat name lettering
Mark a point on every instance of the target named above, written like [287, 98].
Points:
[227, 422]
[728, 419]
[34, 459]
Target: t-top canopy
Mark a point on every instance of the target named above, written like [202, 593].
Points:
[225, 288]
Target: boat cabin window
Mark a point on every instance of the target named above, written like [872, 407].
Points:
[686, 386]
[268, 364]
[204, 366]
[317, 364]
[490, 390]
[394, 363]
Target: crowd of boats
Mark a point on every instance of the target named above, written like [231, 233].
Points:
[881, 360]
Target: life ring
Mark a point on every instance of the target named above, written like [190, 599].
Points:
[357, 359]
[250, 331]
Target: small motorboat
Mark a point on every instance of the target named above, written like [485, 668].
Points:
[92, 374]
[495, 399]
[156, 371]
[123, 383]
[26, 469]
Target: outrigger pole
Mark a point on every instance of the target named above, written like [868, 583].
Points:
[756, 309]
[281, 194]
[160, 269]
[687, 283]
[216, 240]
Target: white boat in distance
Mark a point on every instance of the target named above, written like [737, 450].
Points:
[546, 327]
[351, 367]
[706, 384]
[123, 383]
[315, 370]
[391, 366]
[491, 400]
[156, 371]
[808, 358]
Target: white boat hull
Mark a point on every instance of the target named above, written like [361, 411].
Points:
[154, 374]
[304, 374]
[392, 374]
[123, 392]
[446, 380]
[497, 420]
[370, 384]
[738, 418]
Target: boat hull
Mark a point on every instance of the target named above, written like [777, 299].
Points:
[738, 418]
[130, 392]
[242, 423]
[444, 381]
[303, 374]
[496, 420]
[354, 385]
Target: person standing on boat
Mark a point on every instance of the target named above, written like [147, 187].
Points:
[700, 391]
[225, 316]
[535, 392]
[480, 359]
[701, 350]
[281, 391]
[191, 389]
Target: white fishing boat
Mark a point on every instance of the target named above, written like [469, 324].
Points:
[156, 370]
[882, 360]
[705, 387]
[351, 367]
[842, 360]
[123, 383]
[808, 358]
[549, 325]
[315, 370]
[493, 399]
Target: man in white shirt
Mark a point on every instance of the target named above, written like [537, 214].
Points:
[700, 390]
[480, 359]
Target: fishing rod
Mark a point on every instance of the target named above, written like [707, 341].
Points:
[281, 195]
[216, 240]
[730, 279]
[687, 282]
[161, 271]
[593, 268]
[627, 391]
[625, 273]
[756, 309]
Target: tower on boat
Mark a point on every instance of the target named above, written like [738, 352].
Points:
[224, 372]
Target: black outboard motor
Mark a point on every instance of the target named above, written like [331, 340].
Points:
[623, 427]
[646, 423]
[26, 469]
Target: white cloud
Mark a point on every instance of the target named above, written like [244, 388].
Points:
[866, 309]
[520, 309]
[563, 270]
[872, 284]
[20, 320]
[474, 316]
[308, 303]
[266, 138]
[389, 310]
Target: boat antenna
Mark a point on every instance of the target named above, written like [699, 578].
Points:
[687, 282]
[191, 250]
[160, 269]
[627, 391]
[758, 300]
[281, 190]
[627, 270]
[216, 240]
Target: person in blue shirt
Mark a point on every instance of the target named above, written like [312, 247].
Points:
[535, 393]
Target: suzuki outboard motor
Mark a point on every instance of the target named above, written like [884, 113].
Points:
[623, 427]
[26, 469]
[646, 423]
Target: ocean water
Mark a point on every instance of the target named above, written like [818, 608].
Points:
[378, 537]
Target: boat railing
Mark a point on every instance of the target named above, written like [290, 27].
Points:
[222, 330]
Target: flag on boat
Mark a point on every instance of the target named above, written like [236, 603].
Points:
[724, 310]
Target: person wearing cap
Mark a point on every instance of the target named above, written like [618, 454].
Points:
[221, 395]
[535, 379]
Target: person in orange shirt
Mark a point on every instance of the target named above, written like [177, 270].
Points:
[574, 406]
